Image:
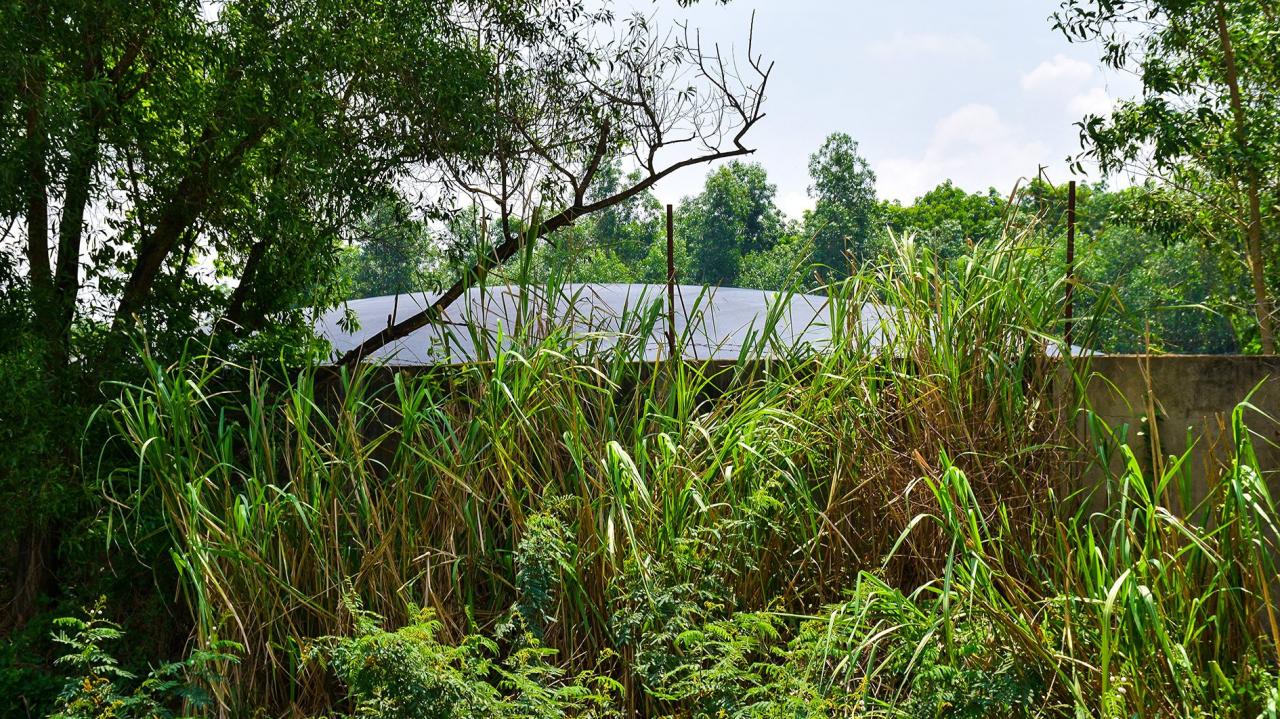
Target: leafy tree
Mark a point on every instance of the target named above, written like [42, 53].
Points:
[1155, 295]
[631, 227]
[215, 137]
[1208, 120]
[785, 266]
[154, 155]
[844, 215]
[734, 215]
[1140, 259]
[947, 218]
[394, 253]
[579, 254]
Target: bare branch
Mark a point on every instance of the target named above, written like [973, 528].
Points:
[636, 97]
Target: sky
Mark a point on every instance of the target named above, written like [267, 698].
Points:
[981, 92]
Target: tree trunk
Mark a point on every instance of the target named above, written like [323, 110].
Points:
[82, 164]
[31, 90]
[66, 282]
[1253, 232]
[184, 204]
[189, 198]
[236, 314]
[1258, 271]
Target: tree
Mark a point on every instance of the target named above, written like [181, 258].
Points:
[1158, 295]
[394, 253]
[947, 218]
[195, 137]
[844, 214]
[785, 266]
[629, 228]
[1208, 121]
[734, 215]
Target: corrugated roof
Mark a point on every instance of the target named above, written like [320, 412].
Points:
[716, 323]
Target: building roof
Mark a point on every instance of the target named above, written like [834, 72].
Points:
[714, 323]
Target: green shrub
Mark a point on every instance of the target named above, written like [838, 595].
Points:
[411, 674]
[543, 557]
[99, 688]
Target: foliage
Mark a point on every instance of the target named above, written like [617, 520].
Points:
[410, 674]
[1162, 295]
[1165, 615]
[543, 556]
[36, 453]
[636, 95]
[178, 164]
[1119, 630]
[845, 210]
[197, 173]
[395, 253]
[27, 681]
[631, 227]
[271, 486]
[100, 688]
[868, 528]
[213, 135]
[947, 218]
[1207, 120]
[784, 266]
[733, 216]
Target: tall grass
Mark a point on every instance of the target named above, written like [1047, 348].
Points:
[785, 475]
[1124, 611]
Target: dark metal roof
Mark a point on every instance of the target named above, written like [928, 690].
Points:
[714, 323]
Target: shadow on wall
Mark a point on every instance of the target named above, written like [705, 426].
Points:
[1166, 402]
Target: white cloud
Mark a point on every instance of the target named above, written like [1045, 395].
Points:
[972, 125]
[974, 147]
[905, 45]
[1094, 101]
[793, 204]
[1060, 72]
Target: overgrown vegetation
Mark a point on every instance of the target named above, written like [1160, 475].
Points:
[886, 524]
[873, 526]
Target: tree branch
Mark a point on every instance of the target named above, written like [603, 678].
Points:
[508, 249]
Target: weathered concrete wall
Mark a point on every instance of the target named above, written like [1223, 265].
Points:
[1188, 395]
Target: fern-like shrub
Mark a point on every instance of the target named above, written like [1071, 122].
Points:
[99, 688]
[411, 674]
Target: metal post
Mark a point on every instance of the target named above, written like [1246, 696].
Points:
[1068, 309]
[671, 285]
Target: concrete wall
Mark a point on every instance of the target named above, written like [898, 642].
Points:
[1185, 393]
[1189, 393]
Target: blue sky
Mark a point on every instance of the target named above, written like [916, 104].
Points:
[979, 92]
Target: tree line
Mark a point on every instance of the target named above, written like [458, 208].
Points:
[1184, 261]
[1144, 282]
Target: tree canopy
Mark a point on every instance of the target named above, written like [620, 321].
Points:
[845, 211]
[1208, 120]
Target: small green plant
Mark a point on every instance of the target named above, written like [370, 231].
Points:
[411, 673]
[543, 557]
[99, 688]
